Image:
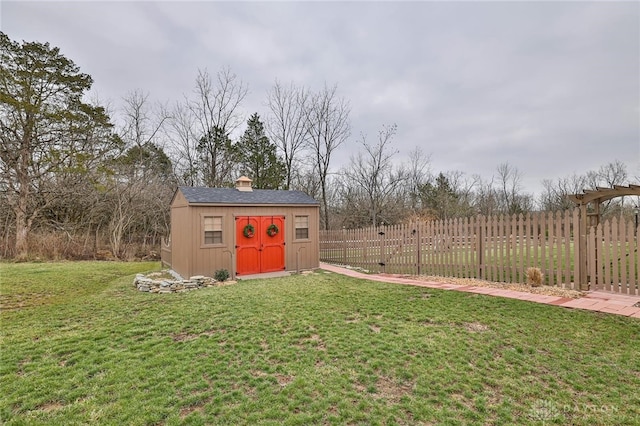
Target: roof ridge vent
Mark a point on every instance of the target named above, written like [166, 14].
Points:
[244, 184]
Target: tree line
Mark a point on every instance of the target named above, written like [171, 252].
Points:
[81, 181]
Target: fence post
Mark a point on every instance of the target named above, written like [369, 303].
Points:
[419, 252]
[479, 246]
[580, 252]
[382, 262]
[344, 246]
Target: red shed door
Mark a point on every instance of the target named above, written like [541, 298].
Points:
[259, 244]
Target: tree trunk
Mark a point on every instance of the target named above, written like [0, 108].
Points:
[22, 231]
[23, 222]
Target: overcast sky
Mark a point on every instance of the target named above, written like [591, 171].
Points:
[552, 88]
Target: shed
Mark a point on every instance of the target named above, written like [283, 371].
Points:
[243, 230]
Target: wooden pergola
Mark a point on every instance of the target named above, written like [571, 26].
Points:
[596, 197]
[589, 218]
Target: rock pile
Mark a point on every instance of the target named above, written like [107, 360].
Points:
[151, 284]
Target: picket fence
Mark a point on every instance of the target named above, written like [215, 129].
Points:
[498, 248]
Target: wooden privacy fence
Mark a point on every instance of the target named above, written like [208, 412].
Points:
[497, 248]
[165, 252]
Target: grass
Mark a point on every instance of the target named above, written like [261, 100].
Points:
[85, 347]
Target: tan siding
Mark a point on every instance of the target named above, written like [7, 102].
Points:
[180, 240]
[179, 200]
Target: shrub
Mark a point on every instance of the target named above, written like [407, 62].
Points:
[534, 277]
[221, 275]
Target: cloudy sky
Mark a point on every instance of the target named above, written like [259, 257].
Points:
[552, 88]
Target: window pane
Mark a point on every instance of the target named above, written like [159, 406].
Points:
[302, 221]
[302, 227]
[212, 229]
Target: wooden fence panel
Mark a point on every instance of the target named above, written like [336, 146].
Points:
[496, 248]
[615, 256]
[558, 248]
[596, 256]
[575, 230]
[606, 249]
[165, 253]
[623, 255]
[514, 227]
[633, 266]
[636, 248]
[536, 243]
[566, 241]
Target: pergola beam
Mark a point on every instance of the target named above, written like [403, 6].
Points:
[601, 194]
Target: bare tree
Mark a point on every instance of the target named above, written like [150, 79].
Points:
[418, 174]
[200, 129]
[328, 127]
[612, 174]
[486, 201]
[142, 128]
[510, 195]
[216, 112]
[286, 124]
[180, 131]
[555, 193]
[216, 103]
[138, 191]
[373, 172]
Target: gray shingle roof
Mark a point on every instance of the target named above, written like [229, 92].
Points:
[200, 195]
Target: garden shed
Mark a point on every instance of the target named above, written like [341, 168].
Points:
[243, 230]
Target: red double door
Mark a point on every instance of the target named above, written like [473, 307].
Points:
[259, 244]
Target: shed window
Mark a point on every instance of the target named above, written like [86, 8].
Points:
[302, 227]
[213, 230]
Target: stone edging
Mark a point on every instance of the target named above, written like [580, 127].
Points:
[163, 286]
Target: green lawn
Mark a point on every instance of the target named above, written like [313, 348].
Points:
[81, 346]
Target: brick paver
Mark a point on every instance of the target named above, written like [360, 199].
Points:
[616, 304]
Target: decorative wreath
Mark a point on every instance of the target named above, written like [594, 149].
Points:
[249, 231]
[272, 230]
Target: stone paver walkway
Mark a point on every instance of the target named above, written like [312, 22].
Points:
[610, 303]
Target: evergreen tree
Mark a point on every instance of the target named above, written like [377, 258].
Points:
[46, 129]
[440, 198]
[258, 158]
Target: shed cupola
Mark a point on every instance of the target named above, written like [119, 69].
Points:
[244, 184]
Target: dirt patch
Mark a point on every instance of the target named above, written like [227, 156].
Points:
[392, 391]
[352, 319]
[258, 373]
[545, 289]
[160, 275]
[50, 406]
[475, 327]
[284, 380]
[376, 329]
[24, 300]
[186, 411]
[314, 341]
[184, 337]
[317, 342]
